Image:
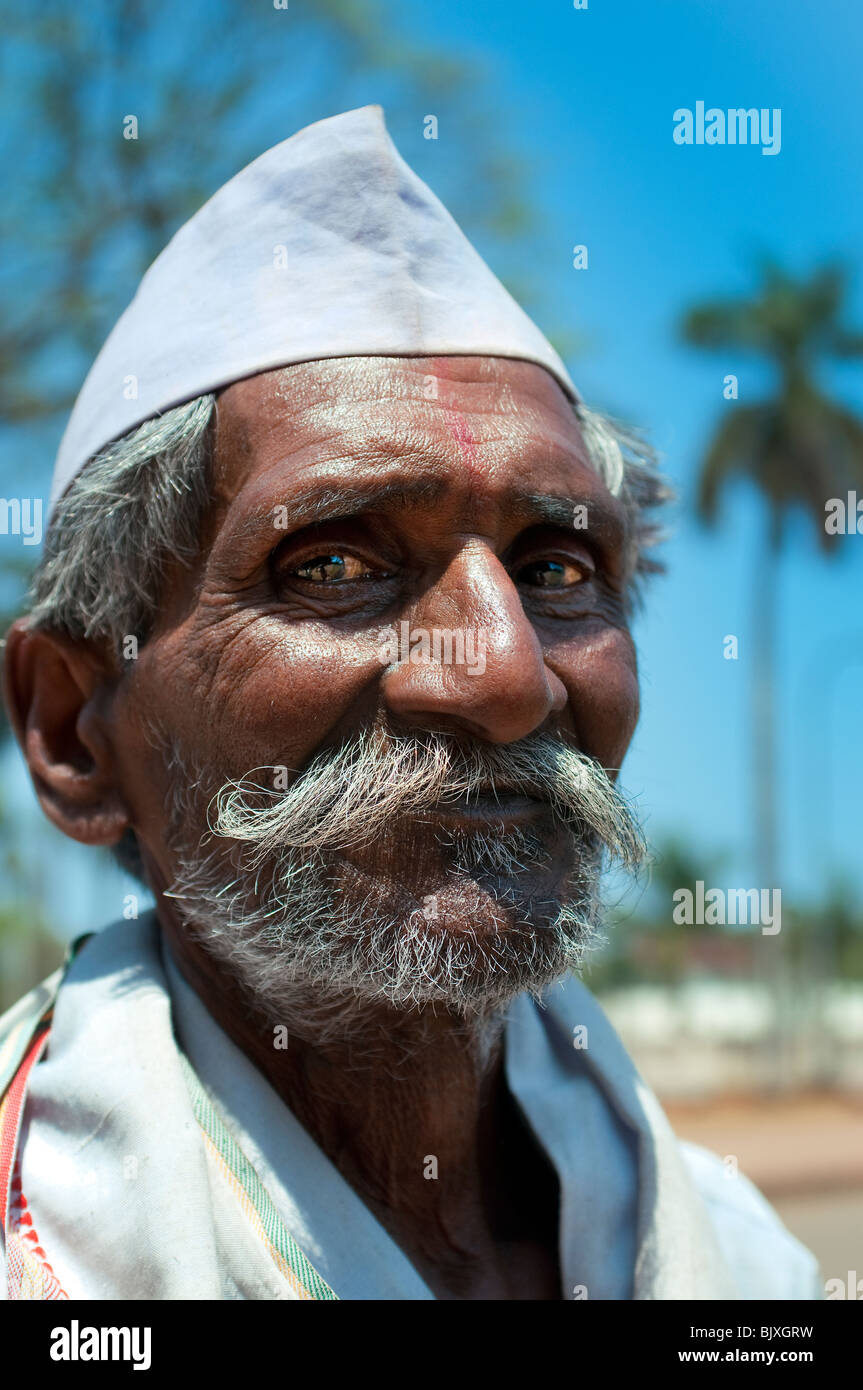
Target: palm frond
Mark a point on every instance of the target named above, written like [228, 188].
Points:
[739, 440]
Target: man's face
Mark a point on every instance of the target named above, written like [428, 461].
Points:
[412, 584]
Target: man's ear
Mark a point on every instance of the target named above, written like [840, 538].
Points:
[58, 694]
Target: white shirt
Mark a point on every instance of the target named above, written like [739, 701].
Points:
[130, 1202]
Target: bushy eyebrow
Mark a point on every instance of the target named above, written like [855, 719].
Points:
[605, 520]
[551, 508]
[326, 501]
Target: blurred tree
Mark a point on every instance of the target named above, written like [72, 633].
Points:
[210, 85]
[798, 447]
[28, 949]
[15, 572]
[644, 945]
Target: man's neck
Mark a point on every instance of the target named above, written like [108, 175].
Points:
[415, 1113]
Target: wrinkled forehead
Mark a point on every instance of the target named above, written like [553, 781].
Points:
[483, 413]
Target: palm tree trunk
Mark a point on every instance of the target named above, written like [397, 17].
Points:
[771, 953]
[764, 711]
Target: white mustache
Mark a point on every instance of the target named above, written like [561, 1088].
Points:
[351, 795]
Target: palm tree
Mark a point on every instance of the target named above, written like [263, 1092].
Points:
[800, 448]
[797, 446]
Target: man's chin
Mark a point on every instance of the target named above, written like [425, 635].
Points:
[324, 945]
[467, 947]
[460, 901]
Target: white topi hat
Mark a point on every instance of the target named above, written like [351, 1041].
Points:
[328, 245]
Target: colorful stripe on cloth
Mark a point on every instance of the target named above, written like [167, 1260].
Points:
[29, 1274]
[254, 1198]
[12, 1110]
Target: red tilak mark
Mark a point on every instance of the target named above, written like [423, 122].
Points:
[459, 427]
[461, 433]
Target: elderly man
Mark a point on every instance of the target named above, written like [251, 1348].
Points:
[330, 644]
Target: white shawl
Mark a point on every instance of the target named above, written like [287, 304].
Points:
[130, 1203]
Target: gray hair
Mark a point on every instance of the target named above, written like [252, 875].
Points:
[133, 509]
[140, 505]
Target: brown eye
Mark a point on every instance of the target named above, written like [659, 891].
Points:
[551, 574]
[330, 569]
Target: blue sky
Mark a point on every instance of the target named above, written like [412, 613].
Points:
[587, 99]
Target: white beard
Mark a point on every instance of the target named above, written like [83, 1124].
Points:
[315, 943]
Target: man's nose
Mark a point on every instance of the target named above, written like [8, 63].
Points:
[470, 659]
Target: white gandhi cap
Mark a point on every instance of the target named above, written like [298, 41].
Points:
[328, 245]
